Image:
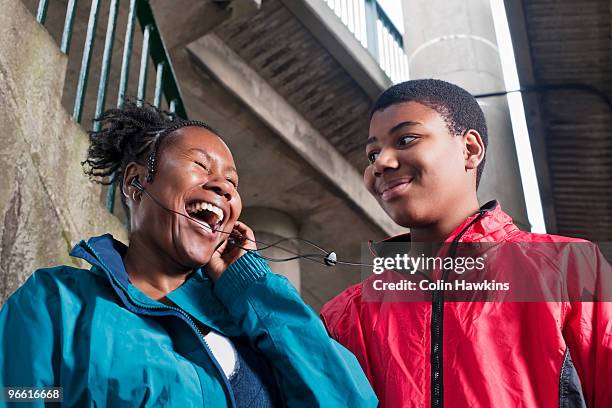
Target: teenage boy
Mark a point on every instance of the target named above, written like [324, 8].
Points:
[426, 148]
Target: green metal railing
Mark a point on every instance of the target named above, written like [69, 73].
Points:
[153, 49]
[367, 20]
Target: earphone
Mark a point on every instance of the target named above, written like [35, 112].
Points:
[329, 259]
[135, 182]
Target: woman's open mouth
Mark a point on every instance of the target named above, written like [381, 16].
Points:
[206, 213]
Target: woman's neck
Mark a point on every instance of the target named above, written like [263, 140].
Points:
[151, 272]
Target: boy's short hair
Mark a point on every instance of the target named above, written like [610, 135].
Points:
[457, 106]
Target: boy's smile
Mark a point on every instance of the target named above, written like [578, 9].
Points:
[390, 189]
[418, 168]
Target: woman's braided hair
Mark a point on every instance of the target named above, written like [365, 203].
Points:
[130, 134]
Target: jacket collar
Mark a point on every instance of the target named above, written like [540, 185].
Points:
[195, 296]
[494, 225]
[106, 253]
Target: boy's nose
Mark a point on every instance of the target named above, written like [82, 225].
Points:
[386, 160]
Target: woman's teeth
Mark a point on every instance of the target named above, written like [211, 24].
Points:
[204, 206]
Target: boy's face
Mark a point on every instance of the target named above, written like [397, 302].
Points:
[417, 169]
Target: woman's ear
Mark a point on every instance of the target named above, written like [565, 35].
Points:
[474, 149]
[132, 171]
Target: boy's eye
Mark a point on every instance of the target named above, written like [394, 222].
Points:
[405, 140]
[372, 157]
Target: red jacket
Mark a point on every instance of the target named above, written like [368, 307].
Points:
[484, 354]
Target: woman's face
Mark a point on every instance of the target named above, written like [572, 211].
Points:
[195, 175]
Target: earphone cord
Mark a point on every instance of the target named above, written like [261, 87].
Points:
[310, 257]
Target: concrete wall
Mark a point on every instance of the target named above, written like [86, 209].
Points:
[47, 204]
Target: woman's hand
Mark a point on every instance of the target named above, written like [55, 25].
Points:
[228, 253]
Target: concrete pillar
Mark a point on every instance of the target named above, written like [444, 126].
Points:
[269, 226]
[454, 40]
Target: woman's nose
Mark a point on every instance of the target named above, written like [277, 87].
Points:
[386, 160]
[220, 186]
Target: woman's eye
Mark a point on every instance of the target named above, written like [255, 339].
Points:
[405, 140]
[233, 182]
[202, 165]
[372, 157]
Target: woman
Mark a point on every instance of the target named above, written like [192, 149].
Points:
[180, 317]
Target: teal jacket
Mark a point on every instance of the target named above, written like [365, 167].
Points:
[107, 344]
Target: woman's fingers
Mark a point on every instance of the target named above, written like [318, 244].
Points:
[228, 252]
[248, 241]
[221, 247]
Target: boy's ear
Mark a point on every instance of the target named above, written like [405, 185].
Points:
[474, 149]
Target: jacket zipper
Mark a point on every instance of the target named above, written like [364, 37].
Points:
[437, 320]
[185, 317]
